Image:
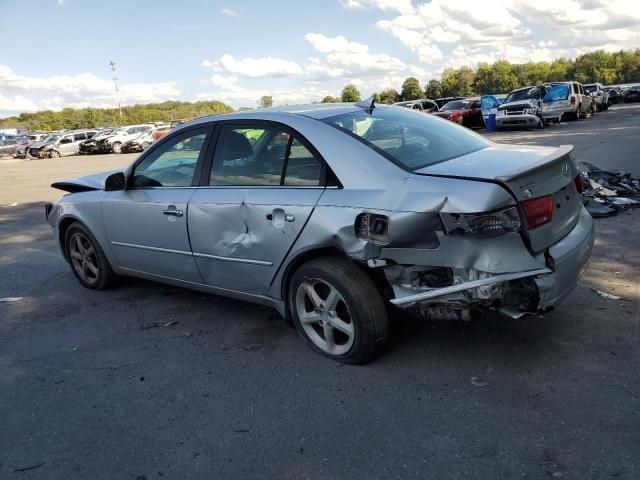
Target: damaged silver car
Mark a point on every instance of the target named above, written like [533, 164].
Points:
[335, 215]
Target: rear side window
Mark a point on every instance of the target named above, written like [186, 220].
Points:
[408, 138]
[262, 156]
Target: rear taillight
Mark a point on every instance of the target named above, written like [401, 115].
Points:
[538, 211]
[482, 225]
[579, 183]
[573, 100]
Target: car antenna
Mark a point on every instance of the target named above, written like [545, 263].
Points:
[367, 104]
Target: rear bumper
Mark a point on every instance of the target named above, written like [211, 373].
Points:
[570, 259]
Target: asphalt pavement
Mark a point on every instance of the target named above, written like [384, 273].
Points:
[147, 381]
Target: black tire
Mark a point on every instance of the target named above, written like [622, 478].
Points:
[365, 307]
[106, 277]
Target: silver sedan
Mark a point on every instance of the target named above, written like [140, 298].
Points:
[336, 215]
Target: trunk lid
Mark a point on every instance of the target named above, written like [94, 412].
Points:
[528, 172]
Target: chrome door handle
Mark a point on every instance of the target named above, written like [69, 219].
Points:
[289, 218]
[174, 212]
[281, 215]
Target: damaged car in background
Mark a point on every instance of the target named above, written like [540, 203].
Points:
[532, 107]
[273, 206]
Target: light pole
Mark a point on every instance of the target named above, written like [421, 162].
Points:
[115, 82]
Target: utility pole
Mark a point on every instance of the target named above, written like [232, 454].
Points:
[115, 82]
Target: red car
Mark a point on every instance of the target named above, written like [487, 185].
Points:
[464, 112]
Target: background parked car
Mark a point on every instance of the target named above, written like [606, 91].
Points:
[599, 95]
[444, 100]
[632, 94]
[139, 143]
[531, 107]
[465, 112]
[578, 103]
[424, 105]
[615, 95]
[174, 123]
[23, 144]
[60, 144]
[113, 143]
[8, 146]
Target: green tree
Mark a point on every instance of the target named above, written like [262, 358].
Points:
[411, 89]
[388, 96]
[350, 94]
[433, 89]
[496, 78]
[266, 101]
[329, 99]
[458, 81]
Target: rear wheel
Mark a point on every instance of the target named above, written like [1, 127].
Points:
[88, 262]
[116, 147]
[338, 311]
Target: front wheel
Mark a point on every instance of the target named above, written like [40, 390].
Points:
[88, 262]
[116, 147]
[338, 311]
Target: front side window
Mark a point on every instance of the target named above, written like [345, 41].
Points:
[77, 137]
[408, 138]
[65, 140]
[173, 163]
[262, 156]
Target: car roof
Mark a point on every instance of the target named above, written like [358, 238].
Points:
[317, 111]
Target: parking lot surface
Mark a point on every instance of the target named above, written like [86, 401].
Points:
[147, 381]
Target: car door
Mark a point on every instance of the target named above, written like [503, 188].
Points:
[147, 222]
[65, 145]
[263, 185]
[555, 101]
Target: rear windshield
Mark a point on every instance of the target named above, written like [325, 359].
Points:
[407, 137]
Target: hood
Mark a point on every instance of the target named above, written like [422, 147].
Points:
[530, 103]
[39, 144]
[86, 183]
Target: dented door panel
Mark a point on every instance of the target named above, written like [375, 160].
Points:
[240, 236]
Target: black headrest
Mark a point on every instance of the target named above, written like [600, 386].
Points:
[235, 145]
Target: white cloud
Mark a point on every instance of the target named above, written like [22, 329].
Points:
[226, 83]
[435, 30]
[85, 88]
[17, 104]
[352, 57]
[402, 6]
[229, 12]
[254, 67]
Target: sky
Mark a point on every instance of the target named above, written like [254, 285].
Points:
[56, 53]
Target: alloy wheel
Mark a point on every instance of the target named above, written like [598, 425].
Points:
[325, 316]
[83, 258]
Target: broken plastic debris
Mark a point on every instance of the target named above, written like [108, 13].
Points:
[10, 299]
[475, 381]
[14, 204]
[610, 296]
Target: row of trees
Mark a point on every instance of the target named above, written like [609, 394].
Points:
[72, 118]
[499, 77]
[503, 76]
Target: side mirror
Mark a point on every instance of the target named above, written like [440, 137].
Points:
[114, 182]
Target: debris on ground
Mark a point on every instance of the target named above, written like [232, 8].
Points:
[476, 382]
[610, 296]
[607, 192]
[32, 467]
[149, 326]
[10, 299]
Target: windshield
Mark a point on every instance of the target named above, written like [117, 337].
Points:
[591, 88]
[523, 94]
[52, 138]
[407, 137]
[456, 105]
